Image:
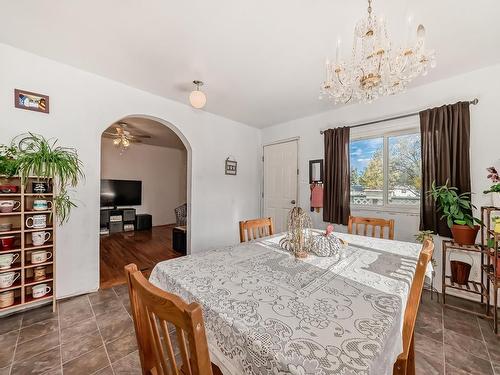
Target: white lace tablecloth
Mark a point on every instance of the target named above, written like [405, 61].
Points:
[268, 313]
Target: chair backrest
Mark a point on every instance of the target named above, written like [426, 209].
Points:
[255, 229]
[181, 214]
[362, 224]
[154, 312]
[412, 306]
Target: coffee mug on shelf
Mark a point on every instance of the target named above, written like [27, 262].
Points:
[42, 205]
[6, 299]
[36, 221]
[8, 189]
[7, 242]
[40, 256]
[5, 227]
[39, 238]
[8, 278]
[6, 260]
[9, 206]
[40, 290]
[40, 187]
[39, 273]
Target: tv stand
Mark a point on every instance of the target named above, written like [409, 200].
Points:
[114, 220]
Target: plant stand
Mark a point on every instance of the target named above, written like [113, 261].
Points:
[491, 242]
[430, 287]
[474, 287]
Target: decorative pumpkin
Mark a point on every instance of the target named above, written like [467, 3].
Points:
[326, 245]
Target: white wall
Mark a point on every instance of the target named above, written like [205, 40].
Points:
[82, 105]
[162, 171]
[485, 131]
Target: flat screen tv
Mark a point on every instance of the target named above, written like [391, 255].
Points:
[116, 193]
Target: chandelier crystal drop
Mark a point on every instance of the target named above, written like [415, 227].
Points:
[376, 68]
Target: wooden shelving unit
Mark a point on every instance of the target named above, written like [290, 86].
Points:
[491, 243]
[23, 246]
[475, 287]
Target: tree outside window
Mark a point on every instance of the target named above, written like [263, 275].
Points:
[386, 170]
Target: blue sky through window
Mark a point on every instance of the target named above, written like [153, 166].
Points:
[362, 151]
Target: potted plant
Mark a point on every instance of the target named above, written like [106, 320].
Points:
[41, 157]
[457, 209]
[423, 235]
[9, 165]
[494, 190]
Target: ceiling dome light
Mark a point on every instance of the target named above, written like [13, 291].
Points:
[197, 98]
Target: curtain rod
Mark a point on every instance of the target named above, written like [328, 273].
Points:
[473, 102]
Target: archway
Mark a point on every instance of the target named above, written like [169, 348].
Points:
[147, 159]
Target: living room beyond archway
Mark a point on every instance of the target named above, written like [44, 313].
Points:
[143, 217]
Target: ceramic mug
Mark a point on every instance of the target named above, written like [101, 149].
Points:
[40, 290]
[39, 238]
[42, 205]
[36, 221]
[7, 298]
[5, 227]
[40, 256]
[6, 260]
[8, 278]
[39, 273]
[9, 206]
[7, 242]
[40, 187]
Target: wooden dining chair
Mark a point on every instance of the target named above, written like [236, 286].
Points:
[374, 223]
[154, 312]
[405, 364]
[255, 229]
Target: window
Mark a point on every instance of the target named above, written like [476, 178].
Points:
[385, 170]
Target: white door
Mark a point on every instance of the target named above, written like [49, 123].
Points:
[280, 182]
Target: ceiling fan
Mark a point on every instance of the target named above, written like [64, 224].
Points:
[124, 135]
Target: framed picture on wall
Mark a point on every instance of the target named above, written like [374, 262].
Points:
[315, 171]
[231, 167]
[31, 101]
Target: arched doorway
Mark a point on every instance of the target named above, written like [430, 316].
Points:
[145, 196]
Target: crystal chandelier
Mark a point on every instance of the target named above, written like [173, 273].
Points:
[376, 69]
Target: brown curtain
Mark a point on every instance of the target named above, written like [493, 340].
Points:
[336, 205]
[445, 133]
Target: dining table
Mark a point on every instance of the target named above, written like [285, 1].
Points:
[269, 312]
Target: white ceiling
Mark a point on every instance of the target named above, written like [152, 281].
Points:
[160, 134]
[262, 60]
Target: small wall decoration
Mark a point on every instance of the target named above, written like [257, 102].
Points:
[31, 101]
[231, 167]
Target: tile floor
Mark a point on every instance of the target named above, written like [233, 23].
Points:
[94, 334]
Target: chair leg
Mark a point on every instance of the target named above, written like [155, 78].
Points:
[410, 366]
[399, 368]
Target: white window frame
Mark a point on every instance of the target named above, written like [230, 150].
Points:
[406, 128]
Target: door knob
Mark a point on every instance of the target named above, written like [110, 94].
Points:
[293, 201]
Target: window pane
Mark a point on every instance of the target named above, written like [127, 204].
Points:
[367, 171]
[404, 170]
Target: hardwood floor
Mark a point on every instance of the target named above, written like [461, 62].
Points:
[144, 248]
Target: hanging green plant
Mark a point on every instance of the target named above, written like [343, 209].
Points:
[34, 155]
[42, 157]
[63, 205]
